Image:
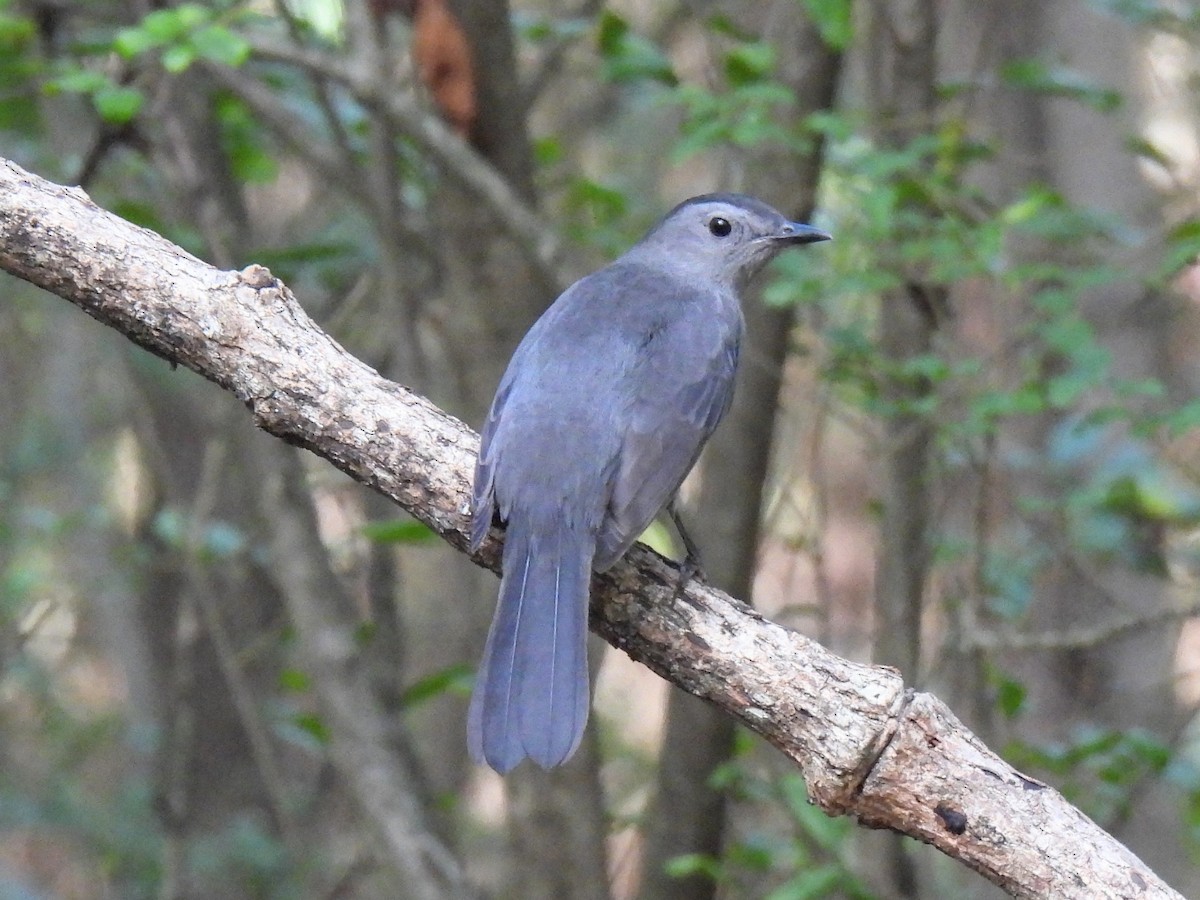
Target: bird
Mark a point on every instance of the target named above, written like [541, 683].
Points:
[602, 411]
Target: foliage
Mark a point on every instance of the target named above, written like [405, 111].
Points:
[1037, 410]
[910, 214]
[179, 36]
[807, 859]
[627, 55]
[1099, 770]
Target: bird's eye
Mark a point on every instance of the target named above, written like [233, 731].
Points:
[719, 227]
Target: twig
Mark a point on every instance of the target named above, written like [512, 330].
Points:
[552, 60]
[1084, 635]
[202, 594]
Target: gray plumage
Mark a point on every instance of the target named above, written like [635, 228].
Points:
[601, 413]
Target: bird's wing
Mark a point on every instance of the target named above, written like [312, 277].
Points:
[483, 505]
[684, 389]
[561, 348]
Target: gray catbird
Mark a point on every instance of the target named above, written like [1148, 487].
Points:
[602, 412]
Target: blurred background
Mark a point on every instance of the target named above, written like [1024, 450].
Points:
[966, 440]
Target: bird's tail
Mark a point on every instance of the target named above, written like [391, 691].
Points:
[531, 690]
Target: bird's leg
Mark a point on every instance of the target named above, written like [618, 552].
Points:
[690, 567]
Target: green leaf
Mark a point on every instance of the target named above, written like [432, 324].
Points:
[690, 864]
[1183, 246]
[176, 59]
[252, 164]
[1010, 697]
[1059, 81]
[1150, 494]
[243, 141]
[452, 680]
[756, 855]
[1147, 150]
[726, 776]
[749, 63]
[795, 794]
[139, 213]
[658, 537]
[399, 531]
[364, 633]
[612, 32]
[169, 25]
[77, 81]
[548, 150]
[721, 24]
[834, 126]
[16, 32]
[294, 680]
[300, 253]
[1031, 205]
[117, 105]
[599, 212]
[162, 26]
[220, 45]
[1149, 749]
[131, 42]
[810, 884]
[313, 725]
[699, 137]
[925, 367]
[1063, 391]
[532, 30]
[996, 404]
[834, 20]
[825, 831]
[1183, 419]
[19, 114]
[630, 57]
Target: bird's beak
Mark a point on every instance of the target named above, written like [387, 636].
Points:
[799, 233]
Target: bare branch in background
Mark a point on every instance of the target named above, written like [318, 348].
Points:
[538, 242]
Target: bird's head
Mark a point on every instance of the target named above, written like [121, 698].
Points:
[724, 238]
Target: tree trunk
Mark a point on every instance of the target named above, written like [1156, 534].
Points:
[491, 296]
[902, 78]
[687, 815]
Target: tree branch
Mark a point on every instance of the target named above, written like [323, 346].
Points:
[540, 245]
[868, 748]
